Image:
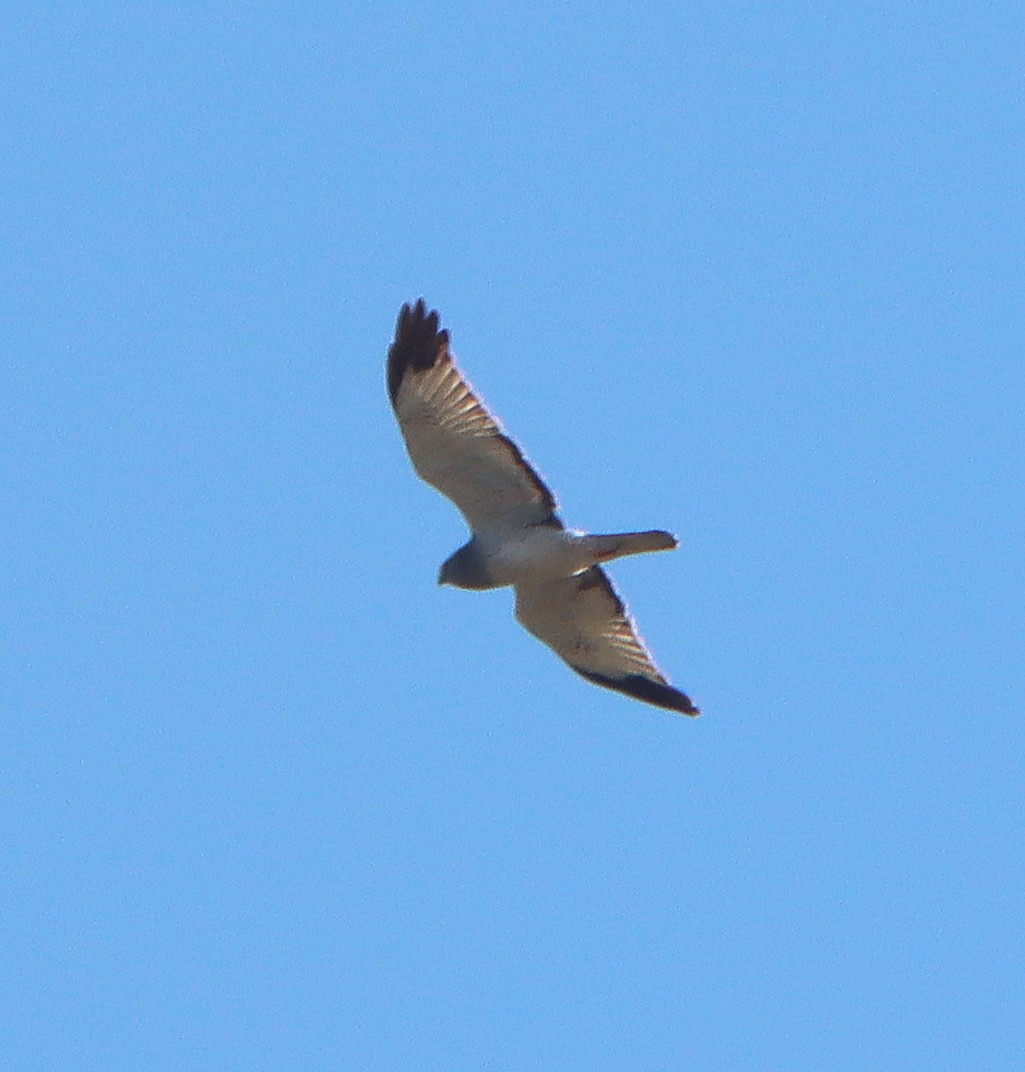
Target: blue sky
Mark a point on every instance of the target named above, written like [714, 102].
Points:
[269, 799]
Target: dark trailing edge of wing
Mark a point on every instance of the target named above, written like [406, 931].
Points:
[643, 688]
[418, 343]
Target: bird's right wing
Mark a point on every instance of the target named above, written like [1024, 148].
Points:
[455, 444]
[584, 621]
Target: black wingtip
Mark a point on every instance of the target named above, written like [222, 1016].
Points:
[418, 343]
[643, 688]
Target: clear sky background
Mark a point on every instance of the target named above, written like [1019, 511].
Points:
[269, 799]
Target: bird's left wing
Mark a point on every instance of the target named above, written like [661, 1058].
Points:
[453, 441]
[584, 621]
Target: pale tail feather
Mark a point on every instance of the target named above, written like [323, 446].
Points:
[631, 543]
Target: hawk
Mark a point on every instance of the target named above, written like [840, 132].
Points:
[563, 596]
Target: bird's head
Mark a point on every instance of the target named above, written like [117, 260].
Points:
[466, 568]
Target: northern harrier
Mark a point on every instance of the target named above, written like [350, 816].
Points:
[563, 596]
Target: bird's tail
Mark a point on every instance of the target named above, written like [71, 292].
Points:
[631, 543]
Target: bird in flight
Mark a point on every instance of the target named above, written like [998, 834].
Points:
[563, 596]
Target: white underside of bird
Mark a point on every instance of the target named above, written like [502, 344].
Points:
[541, 552]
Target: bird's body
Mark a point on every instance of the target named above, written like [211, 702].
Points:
[563, 596]
[500, 557]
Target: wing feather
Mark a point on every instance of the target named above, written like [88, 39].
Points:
[583, 620]
[455, 444]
